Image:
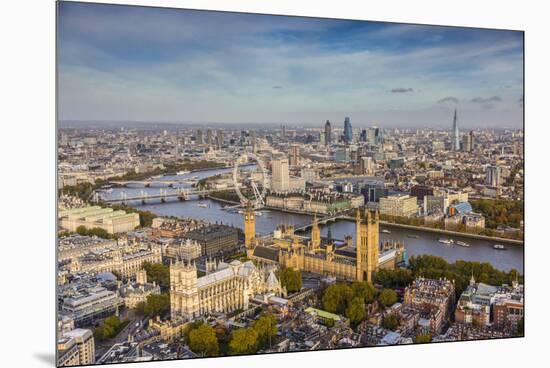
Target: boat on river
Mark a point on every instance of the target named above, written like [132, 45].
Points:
[413, 236]
[183, 172]
[463, 244]
[386, 231]
[499, 247]
[445, 241]
[203, 205]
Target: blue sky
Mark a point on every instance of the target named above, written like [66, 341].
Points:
[153, 64]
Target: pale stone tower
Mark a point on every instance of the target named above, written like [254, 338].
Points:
[367, 237]
[249, 229]
[360, 245]
[315, 234]
[141, 277]
[372, 245]
[184, 297]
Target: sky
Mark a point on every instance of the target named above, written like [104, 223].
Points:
[122, 63]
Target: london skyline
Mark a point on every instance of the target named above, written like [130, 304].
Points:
[116, 64]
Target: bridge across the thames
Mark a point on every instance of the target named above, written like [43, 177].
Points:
[322, 221]
[267, 237]
[163, 195]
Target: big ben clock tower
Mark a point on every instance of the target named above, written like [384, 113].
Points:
[249, 229]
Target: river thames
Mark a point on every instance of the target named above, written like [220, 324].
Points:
[416, 242]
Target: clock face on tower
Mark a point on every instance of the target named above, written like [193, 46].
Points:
[246, 218]
[252, 217]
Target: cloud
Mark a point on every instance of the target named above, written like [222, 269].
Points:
[448, 99]
[401, 90]
[482, 100]
[118, 63]
[487, 106]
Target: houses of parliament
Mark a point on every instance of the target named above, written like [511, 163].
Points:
[229, 286]
[321, 255]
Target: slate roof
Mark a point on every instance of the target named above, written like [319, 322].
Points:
[271, 254]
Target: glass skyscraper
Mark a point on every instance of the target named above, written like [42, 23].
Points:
[348, 132]
[328, 133]
[456, 138]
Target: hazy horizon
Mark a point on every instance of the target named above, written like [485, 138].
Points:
[129, 63]
[80, 124]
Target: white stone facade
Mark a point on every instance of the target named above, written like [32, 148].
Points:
[228, 288]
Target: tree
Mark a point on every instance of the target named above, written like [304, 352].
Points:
[110, 328]
[387, 297]
[81, 230]
[140, 308]
[222, 334]
[499, 211]
[146, 218]
[112, 321]
[393, 278]
[364, 290]
[96, 231]
[157, 304]
[99, 232]
[291, 279]
[356, 310]
[390, 322]
[266, 328]
[420, 339]
[202, 340]
[190, 327]
[243, 341]
[158, 273]
[81, 190]
[99, 333]
[336, 298]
